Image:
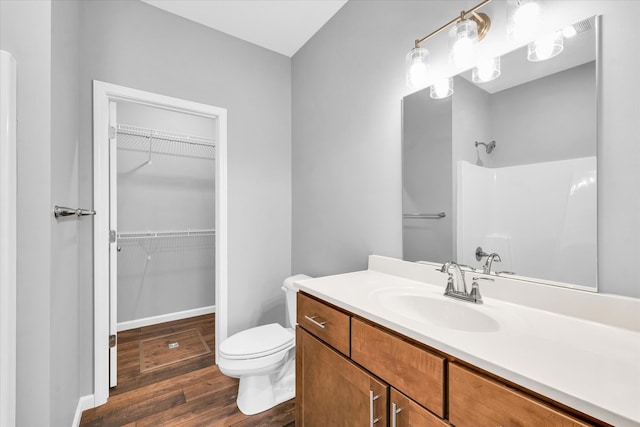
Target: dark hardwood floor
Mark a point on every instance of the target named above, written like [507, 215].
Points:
[189, 393]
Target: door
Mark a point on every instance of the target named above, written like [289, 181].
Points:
[113, 246]
[333, 391]
[104, 252]
[404, 412]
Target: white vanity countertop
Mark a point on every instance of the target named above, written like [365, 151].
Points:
[589, 366]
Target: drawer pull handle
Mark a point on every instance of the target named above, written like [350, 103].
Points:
[313, 320]
[372, 418]
[394, 414]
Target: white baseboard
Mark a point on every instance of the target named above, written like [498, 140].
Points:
[84, 403]
[139, 323]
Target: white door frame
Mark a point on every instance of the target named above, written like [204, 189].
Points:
[102, 94]
[8, 243]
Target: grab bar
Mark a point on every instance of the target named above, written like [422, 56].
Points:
[425, 215]
[61, 211]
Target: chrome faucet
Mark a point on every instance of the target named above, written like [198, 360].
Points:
[486, 268]
[456, 286]
[455, 282]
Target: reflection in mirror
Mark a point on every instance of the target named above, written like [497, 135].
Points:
[512, 164]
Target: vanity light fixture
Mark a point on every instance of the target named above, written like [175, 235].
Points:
[523, 19]
[463, 43]
[487, 69]
[569, 32]
[441, 88]
[468, 29]
[545, 47]
[418, 69]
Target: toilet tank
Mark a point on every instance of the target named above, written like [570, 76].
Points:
[290, 292]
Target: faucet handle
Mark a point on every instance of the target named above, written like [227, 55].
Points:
[480, 253]
[475, 289]
[445, 267]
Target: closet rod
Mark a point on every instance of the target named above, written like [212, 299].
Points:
[165, 136]
[156, 234]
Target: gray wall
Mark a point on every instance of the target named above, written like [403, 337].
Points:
[43, 38]
[347, 84]
[65, 283]
[132, 44]
[25, 31]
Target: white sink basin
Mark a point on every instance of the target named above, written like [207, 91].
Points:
[437, 310]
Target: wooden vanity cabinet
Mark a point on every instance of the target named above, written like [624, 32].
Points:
[333, 391]
[343, 362]
[411, 369]
[477, 401]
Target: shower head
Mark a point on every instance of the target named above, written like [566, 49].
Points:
[488, 147]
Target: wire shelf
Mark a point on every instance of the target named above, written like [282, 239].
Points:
[188, 243]
[165, 234]
[155, 141]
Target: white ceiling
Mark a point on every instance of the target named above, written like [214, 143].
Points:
[283, 26]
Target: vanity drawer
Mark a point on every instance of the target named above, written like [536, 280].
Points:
[330, 325]
[475, 400]
[411, 369]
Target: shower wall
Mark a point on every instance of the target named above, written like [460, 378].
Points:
[168, 189]
[549, 107]
[547, 230]
[538, 184]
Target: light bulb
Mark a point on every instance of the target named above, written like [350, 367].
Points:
[546, 47]
[487, 69]
[463, 41]
[418, 70]
[569, 31]
[441, 88]
[524, 20]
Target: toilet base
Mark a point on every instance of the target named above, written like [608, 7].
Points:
[262, 392]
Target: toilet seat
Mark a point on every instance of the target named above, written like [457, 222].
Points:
[257, 342]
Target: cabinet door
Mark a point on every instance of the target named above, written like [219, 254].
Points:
[332, 391]
[404, 412]
[477, 401]
[416, 372]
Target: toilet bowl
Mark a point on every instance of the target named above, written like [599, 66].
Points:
[263, 358]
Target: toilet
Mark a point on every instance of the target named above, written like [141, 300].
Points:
[263, 358]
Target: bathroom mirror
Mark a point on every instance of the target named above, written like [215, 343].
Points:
[508, 166]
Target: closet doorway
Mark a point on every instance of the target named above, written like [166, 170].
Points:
[160, 243]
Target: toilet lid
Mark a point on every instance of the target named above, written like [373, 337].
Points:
[257, 342]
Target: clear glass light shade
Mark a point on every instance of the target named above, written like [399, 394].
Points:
[486, 70]
[569, 31]
[523, 19]
[418, 69]
[463, 43]
[546, 47]
[441, 88]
